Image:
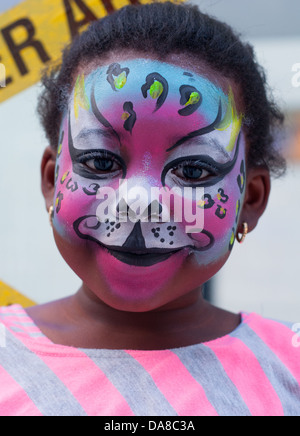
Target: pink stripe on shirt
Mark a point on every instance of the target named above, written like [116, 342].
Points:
[15, 317]
[190, 401]
[106, 399]
[272, 332]
[17, 403]
[240, 361]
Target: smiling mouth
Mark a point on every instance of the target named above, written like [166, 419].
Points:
[133, 251]
[142, 258]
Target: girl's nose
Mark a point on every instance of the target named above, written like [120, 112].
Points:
[150, 211]
[138, 201]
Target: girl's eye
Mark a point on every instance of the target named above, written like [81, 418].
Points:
[99, 164]
[102, 165]
[192, 173]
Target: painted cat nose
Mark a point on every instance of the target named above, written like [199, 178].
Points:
[150, 212]
[135, 240]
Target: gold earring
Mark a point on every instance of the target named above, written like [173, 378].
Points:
[239, 238]
[51, 213]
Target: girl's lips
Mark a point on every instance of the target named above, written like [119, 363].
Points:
[141, 257]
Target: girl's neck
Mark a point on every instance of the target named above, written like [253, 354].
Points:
[83, 321]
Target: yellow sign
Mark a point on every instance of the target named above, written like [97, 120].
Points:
[34, 33]
[9, 296]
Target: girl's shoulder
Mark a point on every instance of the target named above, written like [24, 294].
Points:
[274, 333]
[262, 334]
[262, 343]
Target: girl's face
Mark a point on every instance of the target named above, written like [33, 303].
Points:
[150, 178]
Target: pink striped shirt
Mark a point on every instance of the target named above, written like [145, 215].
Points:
[254, 371]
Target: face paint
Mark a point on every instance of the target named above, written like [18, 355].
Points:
[151, 125]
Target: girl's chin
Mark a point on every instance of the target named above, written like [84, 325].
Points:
[135, 283]
[153, 285]
[126, 285]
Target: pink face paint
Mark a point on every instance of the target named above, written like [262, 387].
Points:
[152, 125]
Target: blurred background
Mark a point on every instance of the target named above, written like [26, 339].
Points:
[262, 273]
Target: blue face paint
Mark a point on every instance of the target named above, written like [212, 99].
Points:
[153, 83]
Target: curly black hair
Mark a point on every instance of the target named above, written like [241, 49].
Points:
[170, 28]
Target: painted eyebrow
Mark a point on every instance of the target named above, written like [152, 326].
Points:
[84, 133]
[200, 132]
[222, 168]
[213, 142]
[76, 153]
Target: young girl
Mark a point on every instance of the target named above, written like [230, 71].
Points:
[160, 155]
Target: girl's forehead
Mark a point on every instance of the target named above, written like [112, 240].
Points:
[146, 100]
[141, 77]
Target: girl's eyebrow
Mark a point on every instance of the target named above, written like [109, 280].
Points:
[211, 142]
[84, 133]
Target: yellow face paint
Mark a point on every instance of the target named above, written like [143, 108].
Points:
[80, 97]
[64, 176]
[232, 119]
[232, 238]
[201, 203]
[59, 149]
[237, 208]
[194, 98]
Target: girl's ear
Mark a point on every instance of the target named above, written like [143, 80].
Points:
[48, 175]
[258, 186]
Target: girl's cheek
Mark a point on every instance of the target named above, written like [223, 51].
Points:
[73, 196]
[221, 205]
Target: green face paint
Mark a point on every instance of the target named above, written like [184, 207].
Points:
[194, 98]
[121, 80]
[156, 89]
